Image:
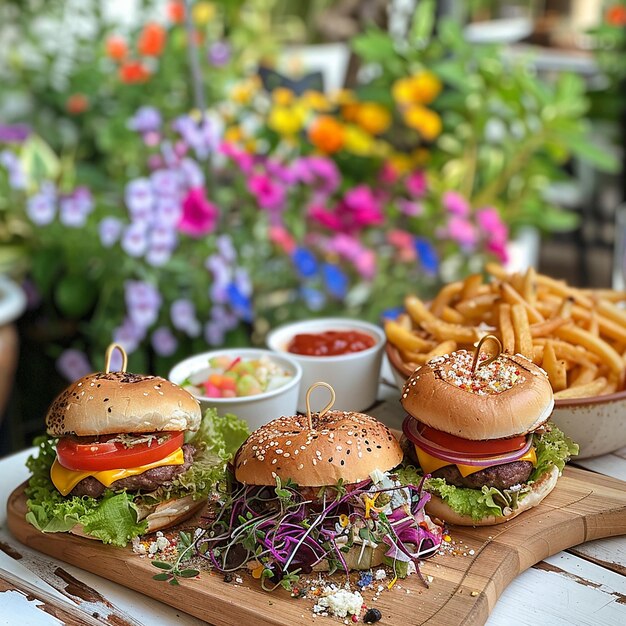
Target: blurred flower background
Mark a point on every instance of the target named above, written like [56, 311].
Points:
[172, 177]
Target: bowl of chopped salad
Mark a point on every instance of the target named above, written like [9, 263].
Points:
[256, 385]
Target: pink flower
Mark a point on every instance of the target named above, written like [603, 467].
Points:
[324, 217]
[500, 251]
[405, 242]
[281, 237]
[491, 223]
[365, 264]
[269, 194]
[281, 172]
[416, 183]
[410, 208]
[346, 246]
[387, 175]
[244, 160]
[321, 173]
[462, 231]
[199, 216]
[364, 207]
[455, 204]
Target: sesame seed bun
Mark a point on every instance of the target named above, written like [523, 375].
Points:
[341, 445]
[119, 402]
[518, 401]
[437, 508]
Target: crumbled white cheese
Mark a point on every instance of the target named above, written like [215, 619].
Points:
[339, 602]
[380, 574]
[159, 544]
[138, 547]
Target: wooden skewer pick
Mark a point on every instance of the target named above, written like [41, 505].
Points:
[109, 353]
[308, 401]
[490, 359]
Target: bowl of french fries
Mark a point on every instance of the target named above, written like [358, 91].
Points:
[578, 336]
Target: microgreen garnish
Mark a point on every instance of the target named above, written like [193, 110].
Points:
[172, 571]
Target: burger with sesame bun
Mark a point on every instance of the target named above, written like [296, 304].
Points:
[319, 492]
[126, 454]
[478, 428]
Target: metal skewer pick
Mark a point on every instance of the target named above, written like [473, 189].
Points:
[491, 359]
[325, 409]
[109, 353]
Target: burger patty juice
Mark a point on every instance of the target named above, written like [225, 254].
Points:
[319, 493]
[480, 431]
[116, 463]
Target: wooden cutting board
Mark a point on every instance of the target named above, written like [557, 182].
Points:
[466, 582]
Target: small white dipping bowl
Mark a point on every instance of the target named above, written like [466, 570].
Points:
[255, 410]
[353, 376]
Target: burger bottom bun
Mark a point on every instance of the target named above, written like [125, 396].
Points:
[159, 516]
[436, 507]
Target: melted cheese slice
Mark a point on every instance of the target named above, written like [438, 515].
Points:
[430, 463]
[66, 479]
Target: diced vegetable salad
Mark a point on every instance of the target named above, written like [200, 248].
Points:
[227, 376]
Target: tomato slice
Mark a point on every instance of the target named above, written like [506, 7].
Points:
[100, 453]
[469, 447]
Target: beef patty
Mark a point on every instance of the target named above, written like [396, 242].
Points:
[148, 481]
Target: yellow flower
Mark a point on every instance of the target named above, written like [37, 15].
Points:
[420, 157]
[358, 141]
[425, 121]
[286, 120]
[426, 87]
[282, 96]
[233, 134]
[373, 117]
[243, 91]
[203, 12]
[315, 100]
[402, 91]
[421, 88]
[401, 163]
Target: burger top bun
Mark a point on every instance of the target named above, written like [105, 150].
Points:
[119, 402]
[340, 445]
[509, 396]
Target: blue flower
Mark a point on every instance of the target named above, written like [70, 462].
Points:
[305, 262]
[241, 304]
[335, 280]
[392, 314]
[314, 298]
[427, 255]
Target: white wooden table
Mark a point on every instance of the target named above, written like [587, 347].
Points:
[585, 585]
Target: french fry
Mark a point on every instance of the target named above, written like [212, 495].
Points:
[418, 311]
[476, 306]
[506, 328]
[452, 316]
[529, 286]
[405, 339]
[471, 285]
[565, 350]
[583, 391]
[513, 297]
[521, 328]
[542, 329]
[442, 331]
[593, 326]
[445, 296]
[445, 347]
[497, 271]
[584, 375]
[594, 344]
[557, 372]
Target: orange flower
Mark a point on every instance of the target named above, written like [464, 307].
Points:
[616, 15]
[176, 11]
[373, 117]
[77, 103]
[116, 48]
[152, 40]
[134, 72]
[327, 134]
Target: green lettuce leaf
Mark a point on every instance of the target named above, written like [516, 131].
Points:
[553, 449]
[113, 517]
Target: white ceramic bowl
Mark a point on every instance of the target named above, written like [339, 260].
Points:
[353, 376]
[255, 410]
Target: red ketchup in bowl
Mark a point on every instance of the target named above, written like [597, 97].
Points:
[330, 343]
